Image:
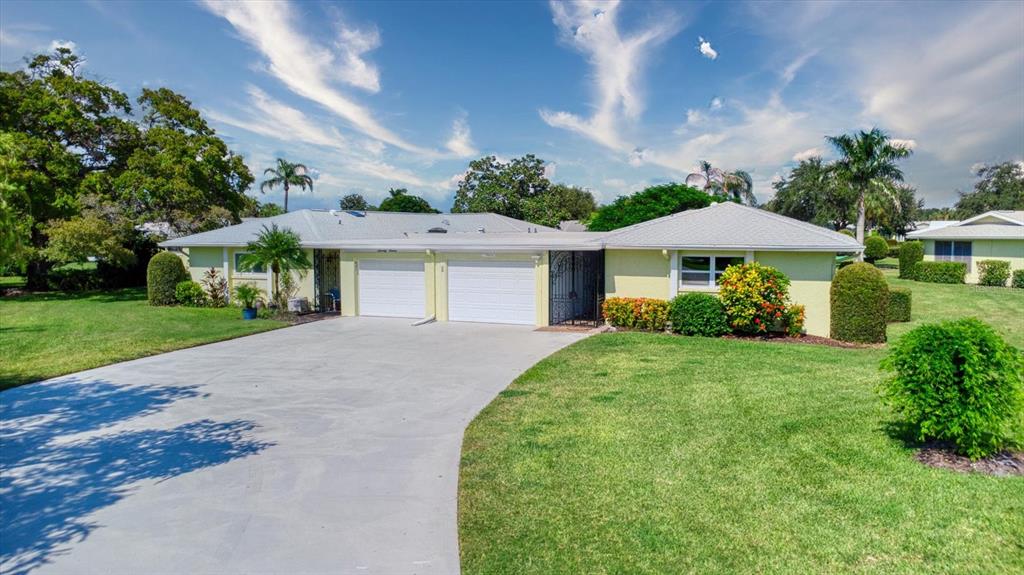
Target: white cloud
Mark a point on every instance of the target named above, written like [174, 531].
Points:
[617, 59]
[706, 49]
[461, 142]
[900, 143]
[550, 169]
[356, 71]
[54, 45]
[808, 154]
[716, 103]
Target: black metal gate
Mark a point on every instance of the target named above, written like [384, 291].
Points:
[327, 280]
[577, 288]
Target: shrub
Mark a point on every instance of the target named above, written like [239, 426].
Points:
[1018, 279]
[636, 313]
[71, 279]
[216, 288]
[247, 295]
[793, 320]
[940, 272]
[698, 313]
[164, 272]
[860, 303]
[910, 254]
[993, 272]
[190, 293]
[875, 248]
[899, 304]
[754, 296]
[957, 381]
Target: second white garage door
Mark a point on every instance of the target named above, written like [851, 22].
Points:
[392, 288]
[492, 292]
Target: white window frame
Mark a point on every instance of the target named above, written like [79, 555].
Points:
[711, 286]
[251, 273]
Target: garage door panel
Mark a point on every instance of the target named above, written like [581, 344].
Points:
[492, 292]
[392, 288]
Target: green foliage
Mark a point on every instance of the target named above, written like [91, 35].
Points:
[893, 209]
[560, 203]
[247, 295]
[190, 293]
[261, 210]
[277, 249]
[875, 248]
[847, 232]
[653, 202]
[793, 320]
[164, 273]
[15, 221]
[354, 202]
[216, 288]
[939, 272]
[736, 186]
[698, 313]
[910, 254]
[957, 381]
[755, 297]
[81, 237]
[899, 304]
[286, 174]
[812, 193]
[636, 313]
[993, 272]
[73, 279]
[860, 304]
[1018, 279]
[399, 200]
[1001, 187]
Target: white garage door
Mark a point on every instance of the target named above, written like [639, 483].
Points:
[492, 292]
[392, 288]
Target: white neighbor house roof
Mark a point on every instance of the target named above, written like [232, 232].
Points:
[719, 226]
[994, 225]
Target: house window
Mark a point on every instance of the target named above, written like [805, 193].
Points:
[704, 271]
[950, 251]
[254, 270]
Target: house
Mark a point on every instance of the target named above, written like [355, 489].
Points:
[995, 235]
[491, 268]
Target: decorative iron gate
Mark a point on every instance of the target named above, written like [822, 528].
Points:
[577, 288]
[327, 280]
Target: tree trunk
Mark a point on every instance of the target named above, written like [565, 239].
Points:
[860, 223]
[286, 197]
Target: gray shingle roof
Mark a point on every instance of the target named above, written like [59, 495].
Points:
[994, 225]
[730, 226]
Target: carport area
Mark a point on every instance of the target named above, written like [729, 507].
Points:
[330, 447]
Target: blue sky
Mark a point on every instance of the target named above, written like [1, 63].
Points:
[615, 97]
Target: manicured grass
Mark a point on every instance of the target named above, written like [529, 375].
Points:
[47, 335]
[11, 282]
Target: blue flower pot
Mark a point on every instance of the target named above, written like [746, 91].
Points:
[248, 313]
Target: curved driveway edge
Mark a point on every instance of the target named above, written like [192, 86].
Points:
[331, 447]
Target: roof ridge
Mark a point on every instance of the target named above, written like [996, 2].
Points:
[644, 224]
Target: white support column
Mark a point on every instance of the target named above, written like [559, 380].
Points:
[673, 274]
[227, 278]
[270, 284]
[748, 257]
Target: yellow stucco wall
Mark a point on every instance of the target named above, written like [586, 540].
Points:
[200, 259]
[636, 273]
[1006, 250]
[810, 276]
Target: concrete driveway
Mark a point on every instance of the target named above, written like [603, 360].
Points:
[331, 447]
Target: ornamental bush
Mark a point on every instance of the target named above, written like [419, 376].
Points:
[993, 272]
[163, 274]
[940, 272]
[860, 304]
[793, 320]
[698, 313]
[875, 248]
[957, 381]
[636, 313]
[910, 254]
[1018, 279]
[755, 296]
[899, 304]
[190, 293]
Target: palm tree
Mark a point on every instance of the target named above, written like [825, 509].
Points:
[287, 174]
[736, 185]
[279, 249]
[868, 164]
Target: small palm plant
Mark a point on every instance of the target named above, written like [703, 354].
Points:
[287, 174]
[280, 250]
[247, 294]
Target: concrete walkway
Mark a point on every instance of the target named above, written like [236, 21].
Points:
[331, 447]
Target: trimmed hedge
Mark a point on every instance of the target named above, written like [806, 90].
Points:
[875, 248]
[910, 254]
[699, 314]
[899, 304]
[636, 313]
[164, 273]
[957, 381]
[940, 272]
[860, 304]
[993, 272]
[190, 293]
[1018, 279]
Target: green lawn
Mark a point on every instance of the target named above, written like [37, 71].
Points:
[46, 335]
[639, 453]
[11, 282]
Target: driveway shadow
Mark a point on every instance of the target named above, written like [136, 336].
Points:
[51, 480]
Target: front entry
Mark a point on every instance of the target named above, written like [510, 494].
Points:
[577, 288]
[327, 280]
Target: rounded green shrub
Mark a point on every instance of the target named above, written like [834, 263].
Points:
[875, 248]
[899, 304]
[910, 254]
[755, 296]
[163, 274]
[860, 304]
[1018, 279]
[190, 293]
[957, 381]
[698, 313]
[993, 272]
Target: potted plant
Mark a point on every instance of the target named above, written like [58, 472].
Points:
[247, 294]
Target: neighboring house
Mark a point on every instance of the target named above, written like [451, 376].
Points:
[490, 268]
[995, 235]
[923, 225]
[571, 226]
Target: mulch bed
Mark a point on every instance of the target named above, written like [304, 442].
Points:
[296, 319]
[1005, 463]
